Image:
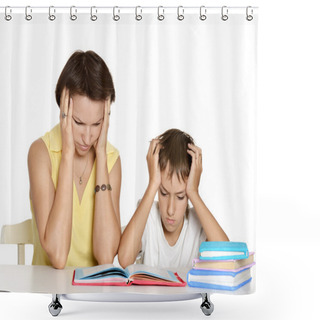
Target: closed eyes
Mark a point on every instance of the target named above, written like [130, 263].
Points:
[79, 123]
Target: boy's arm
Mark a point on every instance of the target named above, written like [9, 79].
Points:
[130, 243]
[209, 224]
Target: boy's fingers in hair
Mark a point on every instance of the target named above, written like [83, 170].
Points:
[196, 157]
[157, 148]
[192, 154]
[191, 149]
[197, 151]
[151, 147]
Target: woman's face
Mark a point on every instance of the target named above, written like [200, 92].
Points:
[173, 202]
[87, 122]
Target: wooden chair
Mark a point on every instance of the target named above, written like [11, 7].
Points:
[19, 234]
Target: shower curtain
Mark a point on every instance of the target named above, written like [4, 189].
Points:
[187, 68]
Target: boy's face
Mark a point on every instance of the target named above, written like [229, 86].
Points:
[173, 203]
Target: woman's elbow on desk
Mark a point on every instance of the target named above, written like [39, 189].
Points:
[57, 257]
[58, 262]
[59, 265]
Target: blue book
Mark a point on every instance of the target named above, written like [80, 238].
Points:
[223, 250]
[218, 280]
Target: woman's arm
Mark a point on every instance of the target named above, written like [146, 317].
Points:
[53, 208]
[130, 243]
[106, 222]
[209, 224]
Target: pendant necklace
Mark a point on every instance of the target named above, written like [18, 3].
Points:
[80, 178]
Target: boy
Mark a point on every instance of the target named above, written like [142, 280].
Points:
[167, 232]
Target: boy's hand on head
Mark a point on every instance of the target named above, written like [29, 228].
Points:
[195, 170]
[66, 110]
[153, 163]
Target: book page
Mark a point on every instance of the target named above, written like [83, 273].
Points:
[100, 271]
[142, 271]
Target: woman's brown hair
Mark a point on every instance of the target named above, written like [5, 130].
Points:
[174, 143]
[86, 73]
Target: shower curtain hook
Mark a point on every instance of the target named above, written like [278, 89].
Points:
[249, 16]
[7, 16]
[180, 15]
[224, 13]
[93, 17]
[203, 13]
[28, 16]
[73, 16]
[116, 17]
[52, 17]
[160, 16]
[138, 16]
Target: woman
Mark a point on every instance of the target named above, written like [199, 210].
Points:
[75, 174]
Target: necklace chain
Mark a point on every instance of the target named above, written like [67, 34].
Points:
[80, 178]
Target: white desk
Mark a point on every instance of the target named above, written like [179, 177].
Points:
[44, 279]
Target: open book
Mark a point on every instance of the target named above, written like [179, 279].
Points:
[108, 275]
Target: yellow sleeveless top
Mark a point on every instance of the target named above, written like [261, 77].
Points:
[81, 250]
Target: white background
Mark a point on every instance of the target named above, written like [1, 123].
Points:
[288, 180]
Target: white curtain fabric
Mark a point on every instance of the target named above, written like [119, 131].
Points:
[198, 76]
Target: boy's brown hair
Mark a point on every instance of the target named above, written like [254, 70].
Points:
[174, 143]
[86, 73]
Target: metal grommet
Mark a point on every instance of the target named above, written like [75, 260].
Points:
[138, 16]
[203, 13]
[93, 17]
[73, 15]
[224, 13]
[28, 16]
[116, 17]
[7, 16]
[249, 16]
[160, 16]
[52, 17]
[180, 13]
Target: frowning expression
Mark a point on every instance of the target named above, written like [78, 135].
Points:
[87, 120]
[173, 202]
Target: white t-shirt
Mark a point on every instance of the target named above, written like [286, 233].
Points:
[157, 252]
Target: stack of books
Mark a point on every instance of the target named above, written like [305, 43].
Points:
[223, 265]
